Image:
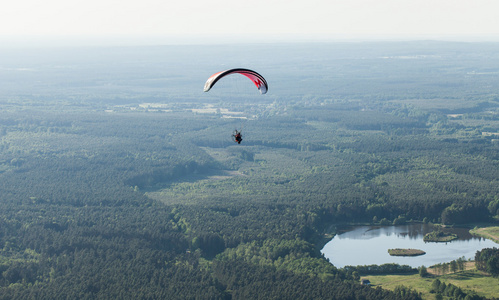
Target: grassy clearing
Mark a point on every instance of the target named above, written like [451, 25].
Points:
[272, 172]
[472, 279]
[390, 282]
[491, 233]
[477, 281]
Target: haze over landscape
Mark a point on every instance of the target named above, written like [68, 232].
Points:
[195, 21]
[119, 178]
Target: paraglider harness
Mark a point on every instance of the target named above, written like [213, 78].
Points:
[237, 137]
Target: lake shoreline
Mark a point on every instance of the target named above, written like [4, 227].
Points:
[368, 245]
[490, 232]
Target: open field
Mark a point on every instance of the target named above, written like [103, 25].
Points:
[469, 280]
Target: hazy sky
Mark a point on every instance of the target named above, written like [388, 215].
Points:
[250, 18]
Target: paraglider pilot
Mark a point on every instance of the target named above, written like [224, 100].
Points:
[237, 136]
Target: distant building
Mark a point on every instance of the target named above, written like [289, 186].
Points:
[365, 282]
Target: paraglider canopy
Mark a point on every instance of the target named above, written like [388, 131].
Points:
[257, 79]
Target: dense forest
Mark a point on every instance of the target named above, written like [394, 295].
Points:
[119, 179]
[488, 260]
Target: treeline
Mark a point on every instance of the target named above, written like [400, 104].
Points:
[250, 281]
[449, 290]
[453, 266]
[382, 269]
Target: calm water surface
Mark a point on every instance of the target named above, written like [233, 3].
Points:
[368, 245]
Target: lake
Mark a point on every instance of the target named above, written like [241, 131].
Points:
[368, 245]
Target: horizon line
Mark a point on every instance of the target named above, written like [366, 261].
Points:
[37, 41]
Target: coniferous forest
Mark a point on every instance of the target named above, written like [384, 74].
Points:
[119, 178]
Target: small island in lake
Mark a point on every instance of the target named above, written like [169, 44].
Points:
[405, 252]
[439, 236]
